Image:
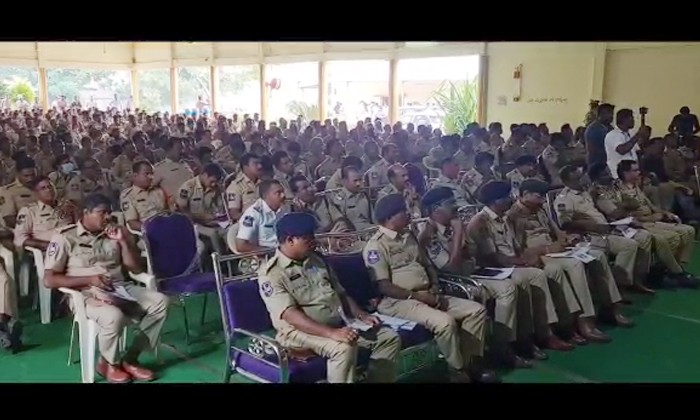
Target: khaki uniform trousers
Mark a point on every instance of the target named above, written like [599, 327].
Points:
[662, 195]
[571, 292]
[673, 243]
[536, 309]
[149, 311]
[8, 294]
[601, 279]
[505, 296]
[383, 343]
[215, 235]
[459, 330]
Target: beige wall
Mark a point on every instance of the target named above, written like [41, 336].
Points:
[660, 76]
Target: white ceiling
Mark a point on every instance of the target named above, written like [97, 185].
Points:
[144, 55]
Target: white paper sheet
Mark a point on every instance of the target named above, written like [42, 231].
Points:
[622, 222]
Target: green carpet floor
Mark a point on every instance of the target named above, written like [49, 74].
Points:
[661, 348]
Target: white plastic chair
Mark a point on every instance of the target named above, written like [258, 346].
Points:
[43, 291]
[87, 329]
[8, 256]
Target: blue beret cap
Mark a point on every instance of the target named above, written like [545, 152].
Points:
[493, 191]
[436, 197]
[295, 225]
[534, 185]
[389, 206]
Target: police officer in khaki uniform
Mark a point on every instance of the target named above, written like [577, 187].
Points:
[91, 180]
[525, 167]
[351, 201]
[307, 200]
[673, 242]
[449, 178]
[242, 192]
[481, 173]
[38, 221]
[334, 152]
[142, 200]
[283, 170]
[336, 180]
[554, 158]
[409, 285]
[492, 240]
[89, 256]
[536, 230]
[398, 184]
[17, 194]
[377, 174]
[307, 303]
[120, 168]
[577, 213]
[200, 198]
[444, 237]
[171, 172]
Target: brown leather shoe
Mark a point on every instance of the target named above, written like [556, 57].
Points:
[112, 373]
[587, 328]
[555, 343]
[623, 321]
[578, 339]
[138, 372]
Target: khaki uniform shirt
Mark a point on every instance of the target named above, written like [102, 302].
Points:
[335, 181]
[377, 175]
[193, 199]
[44, 163]
[241, 193]
[308, 286]
[13, 197]
[120, 172]
[571, 205]
[531, 229]
[465, 161]
[224, 157]
[79, 187]
[462, 196]
[38, 221]
[60, 182]
[398, 258]
[171, 175]
[355, 207]
[77, 252]
[140, 205]
[327, 167]
[440, 244]
[493, 235]
[326, 214]
[413, 206]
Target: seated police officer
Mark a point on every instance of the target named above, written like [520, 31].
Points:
[256, 230]
[444, 237]
[88, 256]
[307, 305]
[409, 285]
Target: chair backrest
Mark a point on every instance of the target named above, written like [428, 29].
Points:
[416, 178]
[551, 196]
[344, 242]
[354, 277]
[238, 290]
[171, 241]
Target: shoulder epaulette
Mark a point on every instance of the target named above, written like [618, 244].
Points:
[66, 228]
[269, 264]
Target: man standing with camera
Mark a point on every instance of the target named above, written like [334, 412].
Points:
[620, 144]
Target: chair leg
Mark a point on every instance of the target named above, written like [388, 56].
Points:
[204, 308]
[88, 350]
[44, 301]
[72, 343]
[24, 274]
[184, 317]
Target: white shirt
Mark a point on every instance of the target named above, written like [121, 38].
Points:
[258, 222]
[613, 139]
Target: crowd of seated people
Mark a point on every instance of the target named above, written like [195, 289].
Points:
[431, 204]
